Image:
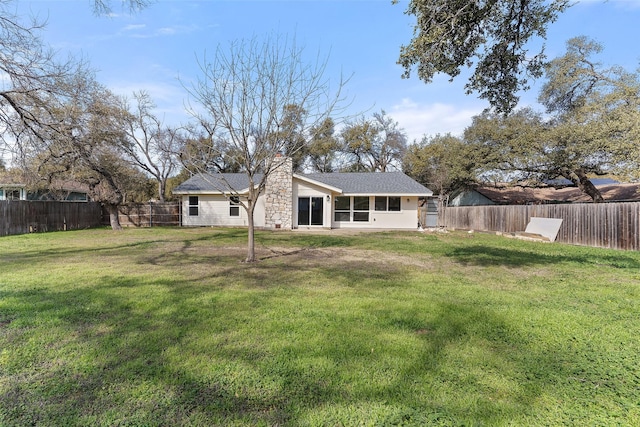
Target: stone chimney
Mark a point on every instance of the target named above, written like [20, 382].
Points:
[279, 195]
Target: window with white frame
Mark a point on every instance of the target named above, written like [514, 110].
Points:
[193, 205]
[13, 194]
[234, 206]
[360, 208]
[342, 209]
[390, 204]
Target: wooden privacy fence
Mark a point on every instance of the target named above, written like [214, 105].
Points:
[147, 215]
[605, 225]
[21, 217]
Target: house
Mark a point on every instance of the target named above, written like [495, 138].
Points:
[12, 191]
[503, 194]
[290, 200]
[13, 188]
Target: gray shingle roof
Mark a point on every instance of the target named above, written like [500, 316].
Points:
[215, 183]
[350, 183]
[383, 183]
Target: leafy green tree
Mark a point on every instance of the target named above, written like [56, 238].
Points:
[357, 142]
[592, 127]
[443, 163]
[201, 152]
[596, 116]
[87, 147]
[375, 145]
[511, 145]
[323, 146]
[291, 130]
[493, 35]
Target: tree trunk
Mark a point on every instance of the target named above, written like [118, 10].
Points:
[162, 188]
[579, 178]
[113, 217]
[251, 250]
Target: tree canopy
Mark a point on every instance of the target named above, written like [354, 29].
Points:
[490, 35]
[374, 144]
[443, 163]
[591, 126]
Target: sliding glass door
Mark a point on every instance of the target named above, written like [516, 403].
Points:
[310, 210]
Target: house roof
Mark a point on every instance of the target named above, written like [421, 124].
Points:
[528, 195]
[355, 183]
[215, 183]
[372, 183]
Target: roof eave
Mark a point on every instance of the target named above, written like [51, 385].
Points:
[401, 194]
[210, 192]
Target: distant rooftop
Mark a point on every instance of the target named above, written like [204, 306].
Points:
[532, 195]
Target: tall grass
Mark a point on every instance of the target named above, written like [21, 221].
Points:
[169, 327]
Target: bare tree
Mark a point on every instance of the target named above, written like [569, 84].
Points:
[151, 145]
[35, 83]
[105, 7]
[244, 94]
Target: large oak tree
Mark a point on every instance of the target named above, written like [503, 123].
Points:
[490, 36]
[591, 126]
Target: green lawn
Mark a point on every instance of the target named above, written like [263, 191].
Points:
[168, 327]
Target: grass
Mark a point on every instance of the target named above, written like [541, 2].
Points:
[167, 327]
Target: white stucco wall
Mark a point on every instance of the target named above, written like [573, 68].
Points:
[213, 210]
[406, 218]
[306, 189]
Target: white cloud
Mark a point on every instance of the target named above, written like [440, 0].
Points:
[143, 32]
[133, 27]
[431, 119]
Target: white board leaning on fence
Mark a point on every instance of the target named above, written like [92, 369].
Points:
[547, 227]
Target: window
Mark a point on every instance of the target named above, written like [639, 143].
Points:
[352, 208]
[12, 194]
[361, 209]
[391, 204]
[234, 206]
[342, 208]
[193, 205]
[394, 204]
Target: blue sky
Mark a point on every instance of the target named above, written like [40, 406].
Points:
[158, 49]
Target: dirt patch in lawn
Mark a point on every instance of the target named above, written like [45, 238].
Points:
[310, 257]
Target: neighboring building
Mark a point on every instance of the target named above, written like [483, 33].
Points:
[11, 189]
[12, 192]
[522, 195]
[382, 200]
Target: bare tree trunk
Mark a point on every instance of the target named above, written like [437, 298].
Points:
[114, 220]
[162, 188]
[251, 248]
